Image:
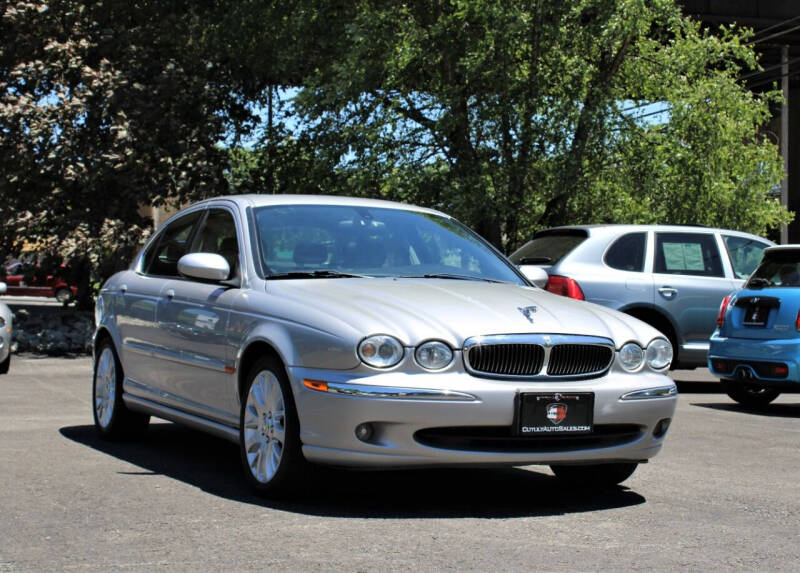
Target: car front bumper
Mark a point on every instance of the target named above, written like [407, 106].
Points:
[749, 359]
[405, 410]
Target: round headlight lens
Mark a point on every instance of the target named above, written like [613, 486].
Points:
[631, 356]
[434, 355]
[380, 351]
[659, 354]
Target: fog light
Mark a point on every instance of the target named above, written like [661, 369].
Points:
[364, 432]
[662, 427]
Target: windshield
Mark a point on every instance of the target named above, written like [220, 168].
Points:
[778, 269]
[333, 241]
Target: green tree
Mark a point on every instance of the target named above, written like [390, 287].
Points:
[106, 107]
[514, 115]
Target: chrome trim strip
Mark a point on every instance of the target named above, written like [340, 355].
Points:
[183, 357]
[651, 393]
[148, 407]
[547, 341]
[398, 393]
[695, 346]
[138, 347]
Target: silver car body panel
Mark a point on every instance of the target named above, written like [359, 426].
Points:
[7, 330]
[182, 344]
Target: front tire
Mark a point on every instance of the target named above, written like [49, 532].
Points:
[5, 364]
[269, 435]
[64, 296]
[750, 395]
[112, 418]
[596, 475]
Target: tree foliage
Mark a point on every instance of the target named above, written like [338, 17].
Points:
[512, 115]
[107, 107]
[516, 115]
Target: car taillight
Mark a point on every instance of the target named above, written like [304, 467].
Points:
[722, 308]
[797, 321]
[564, 286]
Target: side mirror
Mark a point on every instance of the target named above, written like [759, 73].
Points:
[204, 266]
[3, 288]
[536, 274]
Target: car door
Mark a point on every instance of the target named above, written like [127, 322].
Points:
[690, 283]
[195, 316]
[136, 301]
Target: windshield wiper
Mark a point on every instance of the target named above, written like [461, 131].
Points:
[451, 276]
[318, 274]
[534, 260]
[758, 282]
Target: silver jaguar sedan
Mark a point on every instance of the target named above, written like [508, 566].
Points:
[372, 334]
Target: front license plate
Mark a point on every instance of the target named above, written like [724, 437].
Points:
[554, 414]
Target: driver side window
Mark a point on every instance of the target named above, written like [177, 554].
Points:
[161, 259]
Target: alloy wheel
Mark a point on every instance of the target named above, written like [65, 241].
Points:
[264, 426]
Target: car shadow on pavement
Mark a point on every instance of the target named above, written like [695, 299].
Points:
[781, 410]
[213, 465]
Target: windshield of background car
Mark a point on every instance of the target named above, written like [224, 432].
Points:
[548, 247]
[376, 242]
[778, 269]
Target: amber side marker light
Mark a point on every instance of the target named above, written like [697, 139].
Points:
[316, 385]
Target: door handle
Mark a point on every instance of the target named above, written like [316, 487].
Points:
[667, 291]
[123, 288]
[170, 294]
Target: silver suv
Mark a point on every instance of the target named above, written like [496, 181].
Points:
[671, 277]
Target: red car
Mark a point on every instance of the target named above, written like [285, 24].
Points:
[22, 283]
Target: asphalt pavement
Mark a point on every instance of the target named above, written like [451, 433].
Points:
[724, 495]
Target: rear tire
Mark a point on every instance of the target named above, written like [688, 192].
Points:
[595, 475]
[5, 364]
[750, 395]
[269, 434]
[112, 418]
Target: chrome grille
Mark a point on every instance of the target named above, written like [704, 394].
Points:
[508, 359]
[538, 356]
[577, 359]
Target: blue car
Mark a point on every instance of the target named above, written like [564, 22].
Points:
[755, 349]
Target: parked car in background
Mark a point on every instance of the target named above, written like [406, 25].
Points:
[755, 349]
[6, 331]
[367, 333]
[671, 277]
[28, 280]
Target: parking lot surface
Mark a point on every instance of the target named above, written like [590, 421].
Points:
[723, 495]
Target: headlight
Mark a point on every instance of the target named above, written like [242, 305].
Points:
[434, 355]
[631, 356]
[659, 354]
[380, 351]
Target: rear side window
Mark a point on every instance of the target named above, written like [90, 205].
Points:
[627, 253]
[548, 247]
[162, 257]
[745, 254]
[687, 254]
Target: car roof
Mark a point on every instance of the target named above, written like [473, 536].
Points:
[257, 200]
[601, 229]
[793, 247]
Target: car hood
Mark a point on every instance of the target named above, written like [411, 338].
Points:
[415, 310]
